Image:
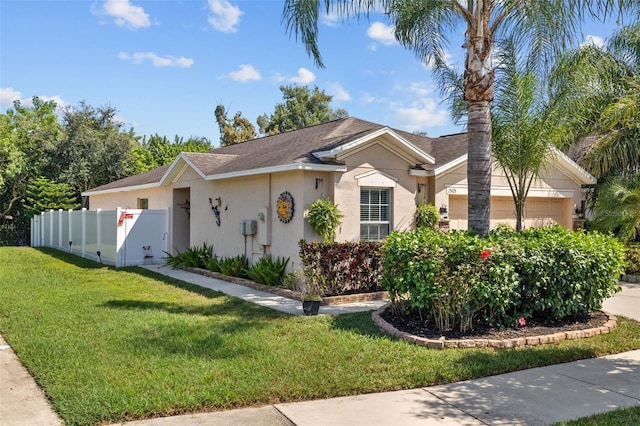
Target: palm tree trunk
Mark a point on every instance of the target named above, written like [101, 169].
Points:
[479, 167]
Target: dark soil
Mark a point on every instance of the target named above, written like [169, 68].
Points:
[534, 327]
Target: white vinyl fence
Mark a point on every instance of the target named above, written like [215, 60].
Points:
[121, 237]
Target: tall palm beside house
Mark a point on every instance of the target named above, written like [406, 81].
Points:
[422, 26]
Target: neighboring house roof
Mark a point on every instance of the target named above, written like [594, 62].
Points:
[319, 147]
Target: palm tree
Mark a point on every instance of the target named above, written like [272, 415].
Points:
[521, 125]
[604, 102]
[422, 25]
[617, 207]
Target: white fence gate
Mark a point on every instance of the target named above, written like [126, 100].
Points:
[121, 237]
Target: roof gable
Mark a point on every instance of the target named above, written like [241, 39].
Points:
[411, 153]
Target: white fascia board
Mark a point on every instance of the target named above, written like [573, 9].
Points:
[420, 172]
[335, 152]
[450, 165]
[121, 189]
[581, 175]
[279, 169]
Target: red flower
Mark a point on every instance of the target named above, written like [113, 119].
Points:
[485, 253]
[522, 322]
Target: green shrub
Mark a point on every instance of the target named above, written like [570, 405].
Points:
[566, 273]
[633, 259]
[196, 257]
[324, 217]
[235, 266]
[268, 271]
[427, 216]
[458, 280]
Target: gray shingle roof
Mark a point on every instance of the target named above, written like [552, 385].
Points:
[297, 147]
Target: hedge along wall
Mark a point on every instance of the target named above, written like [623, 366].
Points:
[458, 280]
[342, 268]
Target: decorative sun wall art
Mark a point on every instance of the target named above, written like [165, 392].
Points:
[285, 207]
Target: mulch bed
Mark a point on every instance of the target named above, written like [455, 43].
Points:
[414, 326]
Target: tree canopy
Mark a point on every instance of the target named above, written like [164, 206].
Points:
[233, 130]
[302, 107]
[159, 150]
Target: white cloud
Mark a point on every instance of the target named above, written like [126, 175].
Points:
[7, 96]
[304, 77]
[126, 14]
[338, 92]
[368, 98]
[245, 73]
[226, 17]
[594, 41]
[330, 19]
[382, 34]
[156, 60]
[418, 114]
[448, 59]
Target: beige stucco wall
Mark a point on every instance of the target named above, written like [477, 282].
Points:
[347, 192]
[159, 198]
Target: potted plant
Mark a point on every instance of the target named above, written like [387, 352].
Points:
[324, 217]
[311, 295]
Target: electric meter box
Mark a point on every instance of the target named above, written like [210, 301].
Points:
[249, 227]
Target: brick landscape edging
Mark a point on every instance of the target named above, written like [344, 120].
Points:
[518, 342]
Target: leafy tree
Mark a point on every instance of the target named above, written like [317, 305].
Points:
[420, 25]
[96, 149]
[44, 194]
[233, 130]
[158, 151]
[302, 107]
[617, 208]
[28, 135]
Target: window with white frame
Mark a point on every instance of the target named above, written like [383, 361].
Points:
[375, 213]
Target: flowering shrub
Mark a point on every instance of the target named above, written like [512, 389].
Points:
[342, 268]
[458, 280]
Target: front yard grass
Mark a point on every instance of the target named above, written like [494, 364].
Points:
[112, 345]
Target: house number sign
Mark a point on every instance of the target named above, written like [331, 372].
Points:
[285, 207]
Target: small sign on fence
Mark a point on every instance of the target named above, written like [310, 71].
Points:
[124, 216]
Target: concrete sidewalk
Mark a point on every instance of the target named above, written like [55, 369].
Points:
[537, 396]
[262, 298]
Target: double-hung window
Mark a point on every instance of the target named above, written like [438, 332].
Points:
[375, 213]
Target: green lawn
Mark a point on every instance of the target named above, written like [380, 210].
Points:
[111, 345]
[621, 417]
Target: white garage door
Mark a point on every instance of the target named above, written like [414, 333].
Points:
[538, 211]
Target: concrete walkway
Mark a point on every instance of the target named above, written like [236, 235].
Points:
[537, 396]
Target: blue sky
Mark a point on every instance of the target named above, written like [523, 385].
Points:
[165, 65]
